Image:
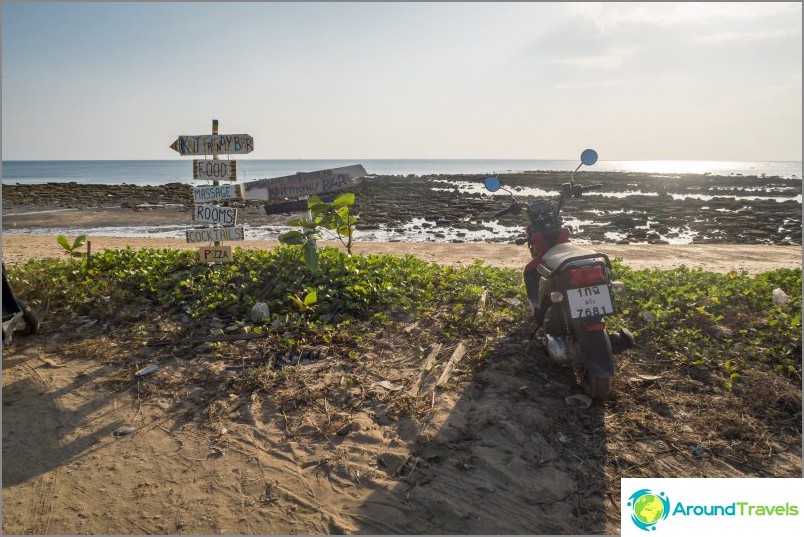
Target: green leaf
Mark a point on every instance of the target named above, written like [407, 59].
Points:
[79, 241]
[298, 303]
[311, 255]
[311, 298]
[62, 240]
[346, 198]
[298, 222]
[292, 237]
[327, 222]
[313, 201]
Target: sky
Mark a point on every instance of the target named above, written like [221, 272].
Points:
[373, 80]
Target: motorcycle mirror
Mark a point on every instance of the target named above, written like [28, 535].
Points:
[589, 157]
[492, 183]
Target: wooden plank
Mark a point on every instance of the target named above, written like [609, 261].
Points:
[214, 214]
[428, 365]
[215, 254]
[460, 350]
[214, 144]
[215, 192]
[215, 234]
[303, 184]
[215, 170]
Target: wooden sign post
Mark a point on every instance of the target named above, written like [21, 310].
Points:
[214, 170]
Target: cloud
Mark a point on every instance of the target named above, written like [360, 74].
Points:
[608, 15]
[614, 58]
[730, 37]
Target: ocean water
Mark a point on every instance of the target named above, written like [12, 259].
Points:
[157, 172]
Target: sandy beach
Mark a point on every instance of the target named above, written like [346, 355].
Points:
[715, 257]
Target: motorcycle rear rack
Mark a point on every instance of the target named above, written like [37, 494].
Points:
[547, 273]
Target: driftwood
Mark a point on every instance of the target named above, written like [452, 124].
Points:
[460, 350]
[428, 365]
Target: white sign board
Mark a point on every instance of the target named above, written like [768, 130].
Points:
[215, 170]
[303, 184]
[215, 234]
[210, 193]
[215, 254]
[214, 214]
[214, 144]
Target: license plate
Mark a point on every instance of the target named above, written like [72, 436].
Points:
[589, 301]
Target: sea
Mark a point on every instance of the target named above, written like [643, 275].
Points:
[157, 172]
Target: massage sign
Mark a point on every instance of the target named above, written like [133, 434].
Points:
[222, 220]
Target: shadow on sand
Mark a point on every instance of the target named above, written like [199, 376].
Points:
[503, 454]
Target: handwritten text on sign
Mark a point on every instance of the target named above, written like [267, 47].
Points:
[214, 144]
[215, 170]
[303, 183]
[215, 234]
[210, 193]
[215, 254]
[214, 214]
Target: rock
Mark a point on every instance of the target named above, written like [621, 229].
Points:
[260, 312]
[780, 297]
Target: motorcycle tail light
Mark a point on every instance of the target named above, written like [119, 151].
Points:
[594, 327]
[586, 275]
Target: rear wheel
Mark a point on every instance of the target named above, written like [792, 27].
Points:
[596, 370]
[596, 387]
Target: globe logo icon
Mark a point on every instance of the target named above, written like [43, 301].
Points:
[648, 508]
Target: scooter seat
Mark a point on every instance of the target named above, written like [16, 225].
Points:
[561, 254]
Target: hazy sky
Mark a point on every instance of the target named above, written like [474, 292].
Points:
[711, 81]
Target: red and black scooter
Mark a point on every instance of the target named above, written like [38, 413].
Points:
[569, 288]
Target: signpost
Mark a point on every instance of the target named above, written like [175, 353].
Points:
[215, 192]
[303, 184]
[214, 214]
[215, 234]
[215, 254]
[214, 144]
[215, 170]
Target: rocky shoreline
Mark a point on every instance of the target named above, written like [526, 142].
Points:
[629, 208]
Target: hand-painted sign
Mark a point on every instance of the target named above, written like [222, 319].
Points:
[215, 170]
[214, 144]
[215, 214]
[215, 234]
[210, 193]
[215, 254]
[303, 184]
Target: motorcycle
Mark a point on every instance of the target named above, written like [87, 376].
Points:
[15, 311]
[569, 289]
